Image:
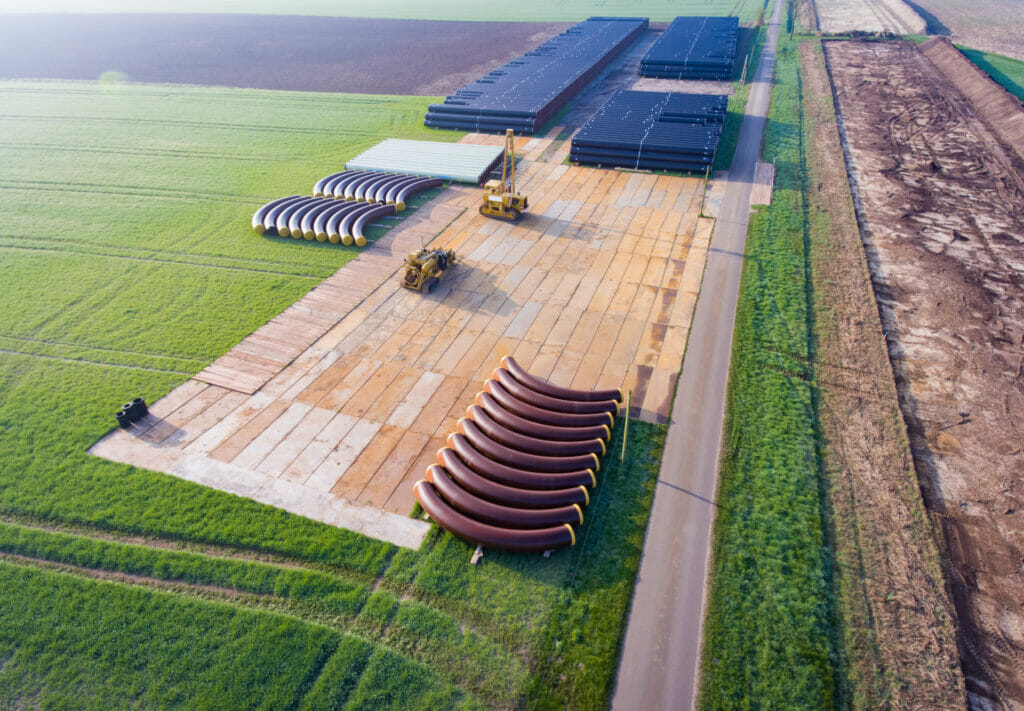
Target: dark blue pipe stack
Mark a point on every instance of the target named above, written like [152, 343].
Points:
[528, 91]
[693, 48]
[652, 130]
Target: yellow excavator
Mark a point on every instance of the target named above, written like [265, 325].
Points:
[500, 197]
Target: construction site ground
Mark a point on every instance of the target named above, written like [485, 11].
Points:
[940, 200]
[334, 409]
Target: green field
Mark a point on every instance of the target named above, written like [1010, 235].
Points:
[529, 11]
[1007, 71]
[769, 623]
[129, 265]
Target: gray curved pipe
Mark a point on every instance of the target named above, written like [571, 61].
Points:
[366, 189]
[318, 188]
[393, 191]
[261, 214]
[409, 190]
[354, 189]
[336, 188]
[286, 215]
[333, 227]
[295, 221]
[346, 222]
[322, 220]
[309, 217]
[270, 220]
[380, 194]
[366, 218]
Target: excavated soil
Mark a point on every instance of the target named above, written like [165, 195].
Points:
[265, 52]
[941, 209]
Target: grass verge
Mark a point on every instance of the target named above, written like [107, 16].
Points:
[769, 605]
[1006, 71]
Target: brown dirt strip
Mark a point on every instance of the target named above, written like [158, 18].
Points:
[898, 630]
[331, 54]
[990, 25]
[941, 210]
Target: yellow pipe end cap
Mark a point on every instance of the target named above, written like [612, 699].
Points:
[360, 241]
[579, 511]
[334, 239]
[586, 496]
[572, 534]
[597, 462]
[346, 240]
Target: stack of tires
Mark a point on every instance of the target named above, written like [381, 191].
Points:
[518, 471]
[131, 412]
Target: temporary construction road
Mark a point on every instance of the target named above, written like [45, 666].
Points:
[661, 654]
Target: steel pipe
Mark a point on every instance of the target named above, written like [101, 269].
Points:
[538, 429]
[525, 443]
[514, 476]
[295, 221]
[577, 407]
[334, 223]
[286, 214]
[366, 218]
[525, 541]
[409, 190]
[318, 188]
[540, 414]
[338, 186]
[545, 388]
[496, 514]
[508, 495]
[260, 215]
[525, 460]
[270, 218]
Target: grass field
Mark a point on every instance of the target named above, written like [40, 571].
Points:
[1007, 71]
[769, 605]
[128, 265]
[530, 11]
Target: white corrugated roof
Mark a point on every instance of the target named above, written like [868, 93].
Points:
[461, 162]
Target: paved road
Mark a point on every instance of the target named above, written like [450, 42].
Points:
[662, 647]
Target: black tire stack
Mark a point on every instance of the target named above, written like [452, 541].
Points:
[131, 412]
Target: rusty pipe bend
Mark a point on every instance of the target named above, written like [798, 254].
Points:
[545, 388]
[514, 422]
[515, 476]
[540, 414]
[576, 407]
[535, 445]
[496, 514]
[524, 541]
[519, 497]
[525, 460]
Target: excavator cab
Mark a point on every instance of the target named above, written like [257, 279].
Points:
[500, 199]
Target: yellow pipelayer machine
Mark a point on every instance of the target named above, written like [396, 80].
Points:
[500, 197]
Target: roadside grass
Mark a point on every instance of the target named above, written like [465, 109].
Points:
[529, 11]
[1006, 71]
[769, 634]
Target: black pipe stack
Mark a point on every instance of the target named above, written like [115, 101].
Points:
[652, 130]
[693, 48]
[525, 93]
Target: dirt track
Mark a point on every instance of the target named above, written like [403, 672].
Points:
[265, 52]
[941, 206]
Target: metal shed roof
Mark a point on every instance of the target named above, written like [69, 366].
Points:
[461, 162]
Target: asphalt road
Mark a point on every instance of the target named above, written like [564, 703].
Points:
[663, 637]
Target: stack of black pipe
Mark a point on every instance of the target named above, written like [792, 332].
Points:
[526, 92]
[652, 130]
[519, 470]
[693, 48]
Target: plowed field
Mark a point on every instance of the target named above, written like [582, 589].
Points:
[941, 207]
[363, 56]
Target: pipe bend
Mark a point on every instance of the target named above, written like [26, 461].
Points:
[526, 443]
[540, 414]
[524, 541]
[260, 215]
[577, 407]
[521, 497]
[337, 186]
[524, 460]
[286, 214]
[366, 218]
[270, 219]
[514, 476]
[544, 387]
[538, 429]
[318, 187]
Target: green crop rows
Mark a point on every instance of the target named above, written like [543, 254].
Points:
[768, 627]
[529, 11]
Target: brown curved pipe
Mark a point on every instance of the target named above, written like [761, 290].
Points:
[508, 495]
[525, 460]
[513, 476]
[540, 414]
[482, 534]
[533, 397]
[545, 388]
[538, 429]
[495, 514]
[524, 443]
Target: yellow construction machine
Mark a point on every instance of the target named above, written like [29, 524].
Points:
[425, 267]
[500, 197]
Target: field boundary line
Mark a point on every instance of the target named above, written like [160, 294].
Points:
[82, 361]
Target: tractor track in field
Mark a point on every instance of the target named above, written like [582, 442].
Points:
[142, 153]
[156, 260]
[127, 191]
[265, 128]
[82, 361]
[62, 344]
